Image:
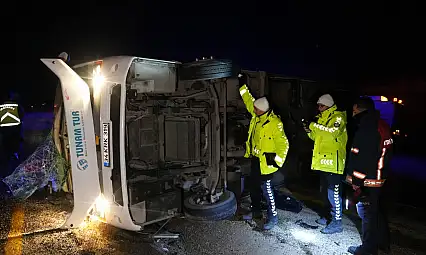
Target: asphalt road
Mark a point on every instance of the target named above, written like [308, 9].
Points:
[31, 227]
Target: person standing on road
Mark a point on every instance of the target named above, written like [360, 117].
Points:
[366, 168]
[267, 146]
[11, 114]
[330, 137]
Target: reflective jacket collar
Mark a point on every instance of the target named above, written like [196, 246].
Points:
[264, 118]
[326, 114]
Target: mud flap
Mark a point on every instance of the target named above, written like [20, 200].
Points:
[84, 165]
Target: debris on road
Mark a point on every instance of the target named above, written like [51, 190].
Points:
[304, 225]
[294, 234]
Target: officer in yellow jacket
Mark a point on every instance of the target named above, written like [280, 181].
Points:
[330, 137]
[267, 146]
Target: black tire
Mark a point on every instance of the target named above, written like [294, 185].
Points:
[224, 209]
[207, 69]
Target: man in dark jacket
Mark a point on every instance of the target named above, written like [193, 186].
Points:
[366, 173]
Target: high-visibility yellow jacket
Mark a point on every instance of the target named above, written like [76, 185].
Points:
[266, 135]
[330, 137]
[9, 114]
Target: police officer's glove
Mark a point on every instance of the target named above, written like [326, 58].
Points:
[270, 159]
[242, 79]
[305, 124]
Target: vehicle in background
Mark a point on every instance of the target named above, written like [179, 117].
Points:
[391, 111]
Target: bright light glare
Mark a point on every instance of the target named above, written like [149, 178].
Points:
[101, 206]
[303, 235]
[383, 99]
[97, 80]
[347, 204]
[395, 99]
[400, 102]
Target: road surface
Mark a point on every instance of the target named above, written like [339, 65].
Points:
[31, 227]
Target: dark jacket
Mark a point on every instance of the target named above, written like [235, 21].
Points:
[362, 163]
[386, 146]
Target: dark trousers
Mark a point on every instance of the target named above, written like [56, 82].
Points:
[331, 193]
[11, 140]
[261, 184]
[375, 228]
[10, 144]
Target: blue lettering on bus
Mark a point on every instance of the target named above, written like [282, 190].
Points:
[78, 140]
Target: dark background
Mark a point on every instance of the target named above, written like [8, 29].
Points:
[378, 46]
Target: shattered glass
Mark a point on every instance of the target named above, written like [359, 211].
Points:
[42, 167]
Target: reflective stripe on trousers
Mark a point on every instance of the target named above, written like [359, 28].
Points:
[268, 193]
[331, 193]
[336, 205]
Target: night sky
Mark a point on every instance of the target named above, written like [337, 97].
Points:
[347, 41]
